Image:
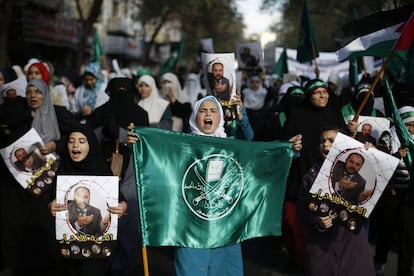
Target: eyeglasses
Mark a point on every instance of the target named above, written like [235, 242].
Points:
[35, 92]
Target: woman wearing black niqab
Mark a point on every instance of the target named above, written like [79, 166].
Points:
[111, 122]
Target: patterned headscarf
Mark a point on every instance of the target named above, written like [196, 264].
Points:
[90, 93]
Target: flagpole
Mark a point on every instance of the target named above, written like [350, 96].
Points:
[365, 68]
[144, 251]
[314, 57]
[145, 260]
[371, 88]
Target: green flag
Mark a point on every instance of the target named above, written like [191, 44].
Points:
[307, 48]
[355, 68]
[175, 56]
[402, 131]
[97, 50]
[281, 66]
[206, 192]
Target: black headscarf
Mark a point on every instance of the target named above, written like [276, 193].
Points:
[121, 103]
[117, 113]
[359, 95]
[8, 74]
[292, 99]
[93, 164]
[309, 121]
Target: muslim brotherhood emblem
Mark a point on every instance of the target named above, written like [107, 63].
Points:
[212, 186]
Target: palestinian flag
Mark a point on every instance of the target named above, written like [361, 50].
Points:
[374, 35]
[401, 64]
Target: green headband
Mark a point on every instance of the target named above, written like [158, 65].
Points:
[297, 91]
[407, 115]
[315, 85]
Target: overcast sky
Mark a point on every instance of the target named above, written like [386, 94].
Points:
[256, 22]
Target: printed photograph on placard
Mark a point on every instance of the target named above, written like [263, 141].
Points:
[370, 128]
[86, 229]
[350, 182]
[221, 75]
[249, 55]
[34, 171]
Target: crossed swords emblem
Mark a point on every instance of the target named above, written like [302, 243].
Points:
[215, 189]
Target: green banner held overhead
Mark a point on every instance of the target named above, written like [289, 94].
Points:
[307, 48]
[170, 64]
[206, 192]
[97, 50]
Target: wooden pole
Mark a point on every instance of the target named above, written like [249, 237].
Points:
[314, 58]
[365, 68]
[377, 77]
[145, 260]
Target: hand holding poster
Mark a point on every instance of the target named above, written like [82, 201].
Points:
[86, 229]
[350, 182]
[221, 75]
[34, 171]
[377, 125]
[221, 82]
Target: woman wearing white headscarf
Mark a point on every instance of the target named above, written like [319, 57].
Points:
[207, 119]
[158, 109]
[180, 106]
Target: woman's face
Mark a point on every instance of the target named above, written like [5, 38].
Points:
[34, 97]
[89, 81]
[144, 90]
[319, 97]
[208, 117]
[34, 73]
[254, 84]
[78, 146]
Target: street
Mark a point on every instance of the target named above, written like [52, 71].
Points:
[261, 256]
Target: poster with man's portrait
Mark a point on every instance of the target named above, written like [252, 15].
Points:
[86, 229]
[221, 75]
[375, 125]
[34, 171]
[249, 55]
[350, 182]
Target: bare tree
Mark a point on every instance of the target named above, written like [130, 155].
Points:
[87, 22]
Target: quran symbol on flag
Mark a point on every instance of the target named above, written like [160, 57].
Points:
[214, 170]
[213, 193]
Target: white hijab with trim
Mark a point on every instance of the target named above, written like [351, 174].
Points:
[220, 132]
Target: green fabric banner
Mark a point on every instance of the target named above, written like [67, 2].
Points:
[97, 50]
[175, 57]
[281, 66]
[206, 192]
[402, 131]
[307, 41]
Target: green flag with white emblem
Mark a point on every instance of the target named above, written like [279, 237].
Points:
[206, 192]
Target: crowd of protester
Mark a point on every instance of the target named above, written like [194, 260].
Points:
[106, 103]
